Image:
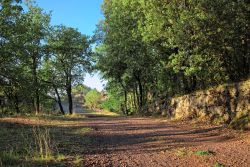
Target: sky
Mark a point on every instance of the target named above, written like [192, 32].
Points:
[80, 14]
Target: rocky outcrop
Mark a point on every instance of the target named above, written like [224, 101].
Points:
[218, 105]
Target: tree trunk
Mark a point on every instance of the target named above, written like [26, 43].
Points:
[16, 102]
[70, 101]
[35, 82]
[59, 101]
[194, 83]
[140, 93]
[125, 99]
[37, 104]
[135, 99]
[185, 84]
[125, 102]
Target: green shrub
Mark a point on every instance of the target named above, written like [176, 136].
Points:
[92, 99]
[240, 123]
[9, 157]
[217, 164]
[78, 160]
[111, 104]
[42, 142]
[183, 152]
[203, 153]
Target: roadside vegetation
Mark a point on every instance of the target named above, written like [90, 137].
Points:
[143, 54]
[181, 60]
[40, 63]
[42, 140]
[151, 51]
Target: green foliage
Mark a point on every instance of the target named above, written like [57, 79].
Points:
[93, 99]
[240, 123]
[81, 89]
[217, 164]
[112, 103]
[39, 63]
[78, 160]
[22, 34]
[145, 49]
[9, 157]
[204, 153]
[71, 57]
[50, 144]
[132, 61]
[43, 147]
[148, 48]
[60, 157]
[183, 152]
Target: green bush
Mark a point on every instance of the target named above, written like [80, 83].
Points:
[111, 104]
[217, 164]
[240, 123]
[203, 153]
[93, 99]
[9, 157]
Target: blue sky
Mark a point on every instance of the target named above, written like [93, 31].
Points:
[80, 14]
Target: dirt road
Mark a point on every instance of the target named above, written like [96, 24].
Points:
[150, 142]
[104, 141]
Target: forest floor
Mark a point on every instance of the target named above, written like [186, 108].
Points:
[115, 141]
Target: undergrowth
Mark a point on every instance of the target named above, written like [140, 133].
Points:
[204, 153]
[9, 157]
[38, 145]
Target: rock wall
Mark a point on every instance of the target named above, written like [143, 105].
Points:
[219, 105]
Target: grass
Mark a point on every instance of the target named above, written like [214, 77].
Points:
[51, 158]
[83, 131]
[204, 153]
[182, 152]
[55, 117]
[40, 159]
[60, 157]
[78, 160]
[40, 140]
[240, 123]
[9, 157]
[217, 164]
[105, 113]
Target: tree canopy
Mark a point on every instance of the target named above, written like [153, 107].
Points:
[150, 48]
[39, 62]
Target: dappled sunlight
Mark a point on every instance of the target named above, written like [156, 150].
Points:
[55, 141]
[98, 135]
[124, 83]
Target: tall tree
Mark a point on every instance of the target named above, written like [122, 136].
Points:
[36, 25]
[172, 47]
[14, 74]
[135, 63]
[52, 81]
[71, 56]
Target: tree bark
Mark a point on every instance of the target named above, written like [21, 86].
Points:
[125, 98]
[35, 82]
[70, 101]
[125, 102]
[137, 97]
[134, 98]
[185, 84]
[140, 93]
[16, 104]
[37, 101]
[59, 101]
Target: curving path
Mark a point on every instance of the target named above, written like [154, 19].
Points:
[149, 142]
